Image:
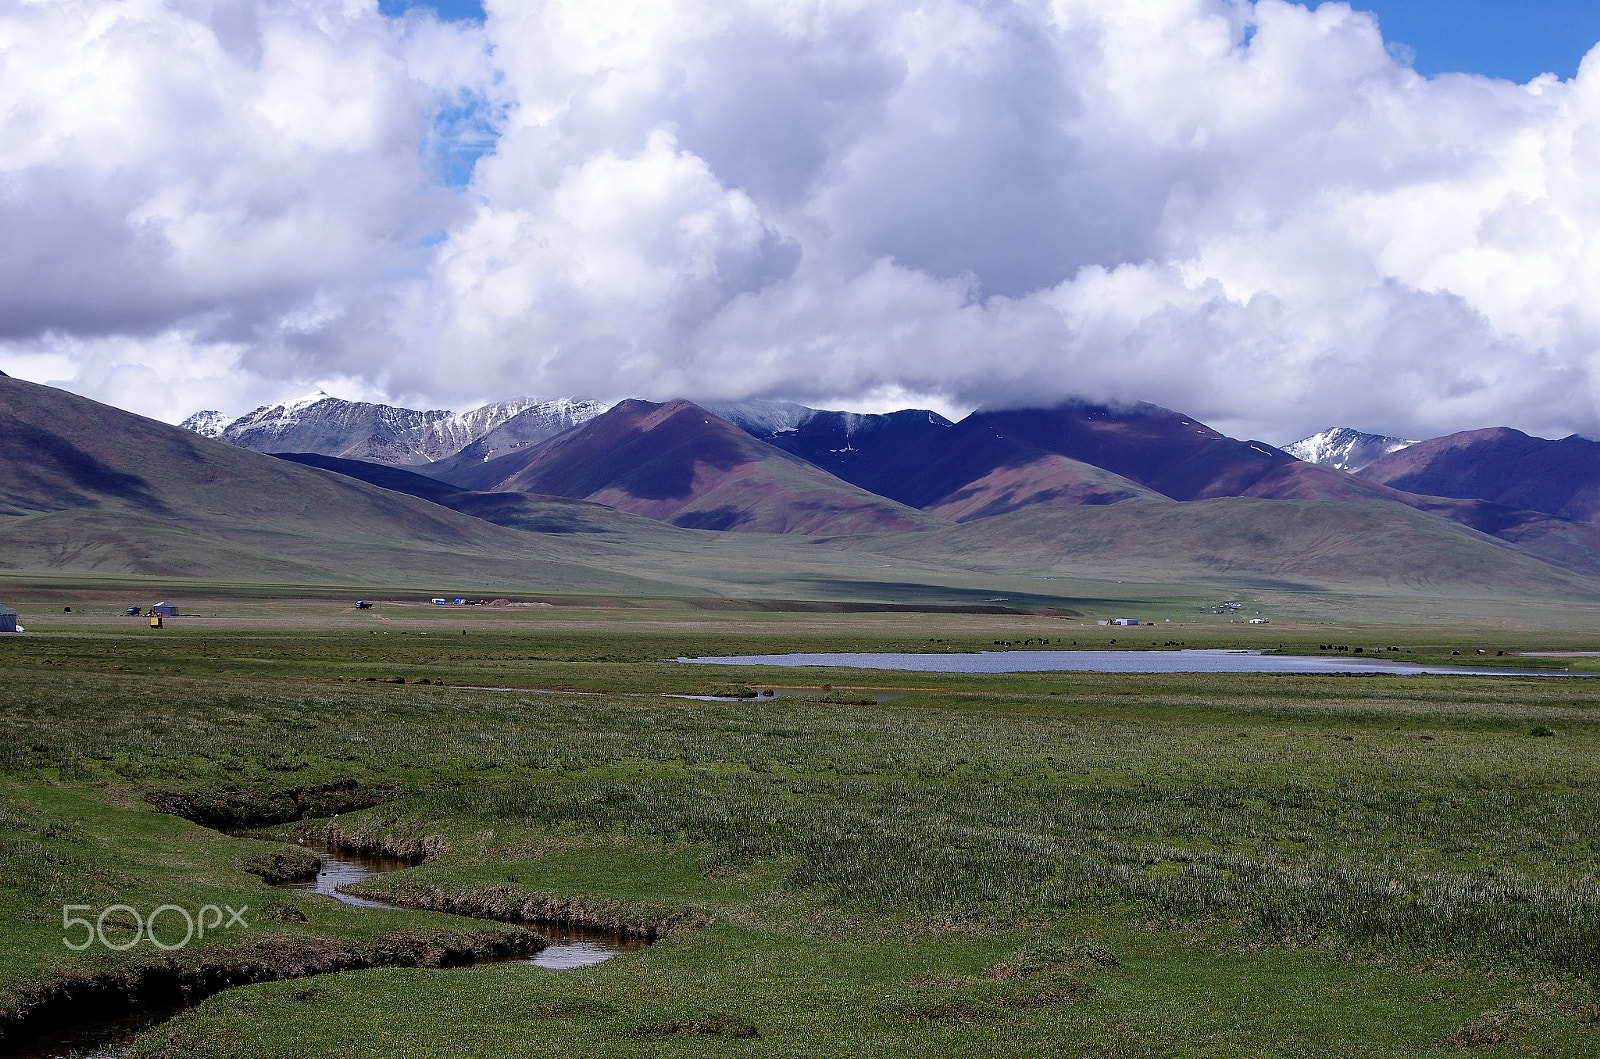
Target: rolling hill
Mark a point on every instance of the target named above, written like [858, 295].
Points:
[88, 487]
[524, 511]
[1267, 544]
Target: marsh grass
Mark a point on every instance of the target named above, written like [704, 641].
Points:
[1349, 828]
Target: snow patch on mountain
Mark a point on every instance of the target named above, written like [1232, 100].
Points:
[1344, 448]
[760, 418]
[770, 419]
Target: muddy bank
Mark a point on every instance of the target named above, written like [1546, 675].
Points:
[508, 904]
[411, 849]
[239, 808]
[282, 866]
[505, 904]
[187, 977]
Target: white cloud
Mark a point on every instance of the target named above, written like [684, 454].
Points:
[1249, 211]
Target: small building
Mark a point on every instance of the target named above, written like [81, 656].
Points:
[1124, 621]
[1259, 621]
[165, 610]
[8, 620]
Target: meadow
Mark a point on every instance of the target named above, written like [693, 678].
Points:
[1050, 864]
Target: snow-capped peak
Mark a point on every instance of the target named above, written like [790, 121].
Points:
[1345, 448]
[209, 424]
[320, 422]
[290, 409]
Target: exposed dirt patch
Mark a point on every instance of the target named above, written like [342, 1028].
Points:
[1051, 958]
[723, 1025]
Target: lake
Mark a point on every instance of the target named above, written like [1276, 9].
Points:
[1187, 661]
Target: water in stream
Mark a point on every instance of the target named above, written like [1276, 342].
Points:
[102, 1039]
[110, 1038]
[569, 946]
[343, 866]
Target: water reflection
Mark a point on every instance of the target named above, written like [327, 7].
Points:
[574, 947]
[341, 867]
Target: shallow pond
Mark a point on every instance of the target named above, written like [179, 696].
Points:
[1186, 661]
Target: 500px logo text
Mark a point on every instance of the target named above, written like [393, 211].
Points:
[195, 926]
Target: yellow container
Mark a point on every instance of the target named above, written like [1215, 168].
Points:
[155, 621]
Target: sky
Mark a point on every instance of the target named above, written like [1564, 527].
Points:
[1275, 217]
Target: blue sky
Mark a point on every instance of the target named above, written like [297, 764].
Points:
[449, 9]
[1514, 39]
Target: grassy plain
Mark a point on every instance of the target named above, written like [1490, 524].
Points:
[1043, 864]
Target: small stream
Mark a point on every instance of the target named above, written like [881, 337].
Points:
[101, 1039]
[569, 948]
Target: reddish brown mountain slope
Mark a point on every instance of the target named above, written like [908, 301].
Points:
[1187, 460]
[1038, 479]
[678, 463]
[1174, 454]
[1503, 466]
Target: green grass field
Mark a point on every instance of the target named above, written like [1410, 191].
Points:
[1027, 865]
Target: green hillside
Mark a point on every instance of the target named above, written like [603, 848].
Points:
[1281, 543]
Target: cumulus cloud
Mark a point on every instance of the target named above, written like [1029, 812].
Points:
[1250, 211]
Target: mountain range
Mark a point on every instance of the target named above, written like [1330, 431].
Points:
[778, 467]
[641, 497]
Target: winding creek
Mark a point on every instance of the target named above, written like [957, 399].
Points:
[569, 947]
